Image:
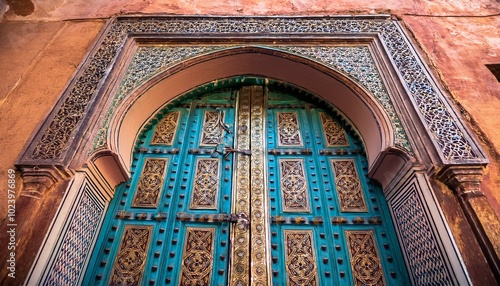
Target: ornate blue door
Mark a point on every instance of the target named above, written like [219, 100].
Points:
[247, 185]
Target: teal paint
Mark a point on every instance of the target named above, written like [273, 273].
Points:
[165, 250]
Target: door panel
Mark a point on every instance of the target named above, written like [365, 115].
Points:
[248, 186]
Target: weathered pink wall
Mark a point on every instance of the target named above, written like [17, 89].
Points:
[77, 9]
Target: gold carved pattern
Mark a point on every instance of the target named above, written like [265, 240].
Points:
[348, 186]
[150, 183]
[131, 258]
[288, 129]
[241, 236]
[365, 261]
[211, 130]
[196, 268]
[165, 129]
[259, 217]
[334, 134]
[300, 258]
[294, 185]
[206, 184]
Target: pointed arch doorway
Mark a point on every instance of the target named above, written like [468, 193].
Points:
[251, 184]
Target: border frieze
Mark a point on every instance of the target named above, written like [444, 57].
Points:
[57, 136]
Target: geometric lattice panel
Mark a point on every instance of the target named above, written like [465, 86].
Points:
[425, 260]
[205, 184]
[165, 129]
[294, 185]
[211, 131]
[130, 261]
[348, 186]
[150, 183]
[300, 258]
[198, 256]
[365, 261]
[334, 134]
[74, 249]
[288, 129]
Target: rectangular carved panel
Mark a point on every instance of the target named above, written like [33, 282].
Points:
[205, 184]
[294, 190]
[300, 258]
[348, 186]
[198, 256]
[334, 133]
[211, 130]
[130, 261]
[288, 129]
[150, 183]
[365, 261]
[166, 129]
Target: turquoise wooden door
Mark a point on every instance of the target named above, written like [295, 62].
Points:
[329, 222]
[247, 185]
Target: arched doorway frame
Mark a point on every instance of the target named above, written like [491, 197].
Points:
[404, 175]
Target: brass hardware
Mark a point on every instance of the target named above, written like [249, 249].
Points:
[240, 219]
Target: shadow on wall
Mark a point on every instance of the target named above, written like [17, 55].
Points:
[18, 7]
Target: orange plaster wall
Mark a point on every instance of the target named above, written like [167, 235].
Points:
[36, 62]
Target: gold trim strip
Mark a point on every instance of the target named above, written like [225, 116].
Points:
[259, 217]
[239, 269]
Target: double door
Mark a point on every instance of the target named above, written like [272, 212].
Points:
[248, 186]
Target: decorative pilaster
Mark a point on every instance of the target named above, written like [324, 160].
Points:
[37, 180]
[465, 182]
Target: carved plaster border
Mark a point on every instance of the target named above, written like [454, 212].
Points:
[55, 142]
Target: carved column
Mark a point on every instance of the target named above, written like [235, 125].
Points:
[465, 182]
[41, 193]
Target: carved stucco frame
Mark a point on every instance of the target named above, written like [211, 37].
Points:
[71, 138]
